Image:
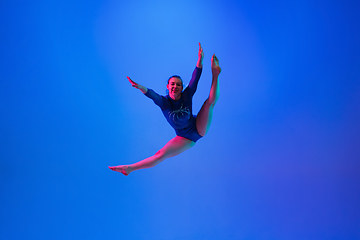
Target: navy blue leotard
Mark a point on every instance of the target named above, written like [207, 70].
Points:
[179, 113]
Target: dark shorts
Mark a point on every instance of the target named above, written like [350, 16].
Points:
[189, 132]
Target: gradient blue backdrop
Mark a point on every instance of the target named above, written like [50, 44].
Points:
[281, 159]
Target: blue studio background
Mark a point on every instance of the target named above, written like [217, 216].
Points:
[281, 159]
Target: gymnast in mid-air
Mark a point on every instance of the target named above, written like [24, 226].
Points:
[177, 109]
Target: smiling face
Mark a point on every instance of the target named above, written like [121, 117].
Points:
[175, 88]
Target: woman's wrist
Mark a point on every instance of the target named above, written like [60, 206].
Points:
[199, 63]
[143, 89]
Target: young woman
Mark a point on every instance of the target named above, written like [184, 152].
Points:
[177, 109]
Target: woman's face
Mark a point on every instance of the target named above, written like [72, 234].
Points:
[175, 88]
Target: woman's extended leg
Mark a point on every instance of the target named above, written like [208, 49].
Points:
[204, 116]
[174, 147]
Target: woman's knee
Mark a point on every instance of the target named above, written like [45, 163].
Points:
[211, 105]
[160, 155]
[211, 101]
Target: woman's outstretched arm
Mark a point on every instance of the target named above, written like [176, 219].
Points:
[158, 100]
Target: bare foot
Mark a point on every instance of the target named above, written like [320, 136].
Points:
[215, 65]
[124, 169]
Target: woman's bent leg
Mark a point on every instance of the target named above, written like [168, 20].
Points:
[174, 147]
[204, 117]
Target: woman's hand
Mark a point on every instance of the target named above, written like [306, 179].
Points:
[201, 57]
[137, 86]
[134, 84]
[201, 53]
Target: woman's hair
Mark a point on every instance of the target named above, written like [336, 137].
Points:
[174, 76]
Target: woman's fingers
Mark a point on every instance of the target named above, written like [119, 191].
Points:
[134, 84]
[130, 80]
[201, 53]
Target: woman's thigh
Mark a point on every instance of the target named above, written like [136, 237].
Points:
[176, 146]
